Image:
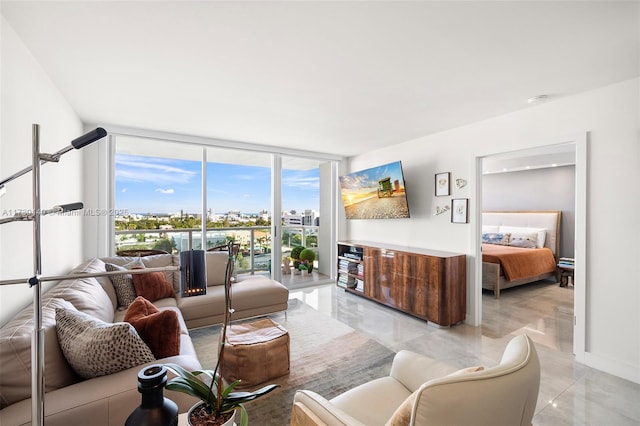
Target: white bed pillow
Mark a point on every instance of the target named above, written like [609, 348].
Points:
[541, 232]
[528, 240]
[496, 238]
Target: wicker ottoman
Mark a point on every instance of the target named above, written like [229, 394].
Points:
[255, 352]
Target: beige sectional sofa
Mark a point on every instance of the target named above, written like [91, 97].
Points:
[109, 399]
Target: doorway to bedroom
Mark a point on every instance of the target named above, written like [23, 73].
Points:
[533, 180]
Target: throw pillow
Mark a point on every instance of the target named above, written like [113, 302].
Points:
[402, 415]
[153, 286]
[540, 232]
[501, 239]
[123, 283]
[523, 240]
[468, 370]
[95, 348]
[160, 330]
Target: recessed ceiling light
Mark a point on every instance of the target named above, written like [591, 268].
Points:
[536, 99]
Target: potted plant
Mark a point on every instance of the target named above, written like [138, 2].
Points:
[218, 402]
[295, 256]
[307, 256]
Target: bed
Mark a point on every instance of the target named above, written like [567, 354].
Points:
[519, 247]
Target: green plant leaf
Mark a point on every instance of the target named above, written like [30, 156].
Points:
[244, 416]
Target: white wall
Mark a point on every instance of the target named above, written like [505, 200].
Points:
[28, 97]
[611, 117]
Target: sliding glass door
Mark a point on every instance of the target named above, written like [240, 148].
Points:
[178, 196]
[300, 195]
[238, 196]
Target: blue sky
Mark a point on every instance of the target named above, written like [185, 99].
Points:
[162, 185]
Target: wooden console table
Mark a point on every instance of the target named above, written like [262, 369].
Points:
[427, 284]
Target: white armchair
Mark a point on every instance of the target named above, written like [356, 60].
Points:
[423, 391]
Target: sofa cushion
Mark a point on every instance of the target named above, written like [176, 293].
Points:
[95, 348]
[152, 286]
[160, 330]
[15, 354]
[216, 264]
[85, 294]
[162, 260]
[155, 261]
[251, 297]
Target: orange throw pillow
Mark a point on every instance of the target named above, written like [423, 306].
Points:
[153, 286]
[160, 330]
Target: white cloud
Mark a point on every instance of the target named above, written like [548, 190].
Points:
[124, 190]
[305, 182]
[244, 177]
[165, 191]
[156, 170]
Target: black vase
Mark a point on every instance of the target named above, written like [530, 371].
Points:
[155, 410]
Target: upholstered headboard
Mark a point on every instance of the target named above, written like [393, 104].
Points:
[547, 219]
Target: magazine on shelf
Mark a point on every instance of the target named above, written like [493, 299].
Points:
[566, 262]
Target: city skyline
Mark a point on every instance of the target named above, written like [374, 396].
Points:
[146, 184]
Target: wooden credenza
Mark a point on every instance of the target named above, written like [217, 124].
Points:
[428, 284]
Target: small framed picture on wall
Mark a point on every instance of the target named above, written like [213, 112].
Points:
[460, 210]
[443, 184]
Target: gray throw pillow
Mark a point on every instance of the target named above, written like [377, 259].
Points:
[95, 348]
[123, 283]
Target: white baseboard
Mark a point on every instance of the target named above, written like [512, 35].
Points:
[615, 367]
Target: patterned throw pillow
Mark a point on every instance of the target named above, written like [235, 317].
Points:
[498, 238]
[95, 348]
[523, 240]
[123, 283]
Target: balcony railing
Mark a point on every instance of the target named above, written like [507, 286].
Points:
[255, 242]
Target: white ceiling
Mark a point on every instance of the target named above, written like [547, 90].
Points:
[337, 77]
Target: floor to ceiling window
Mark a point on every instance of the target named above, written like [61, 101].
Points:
[300, 205]
[157, 189]
[171, 193]
[238, 199]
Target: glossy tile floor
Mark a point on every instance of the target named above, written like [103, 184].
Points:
[570, 393]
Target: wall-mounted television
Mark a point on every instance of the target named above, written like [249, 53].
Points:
[375, 193]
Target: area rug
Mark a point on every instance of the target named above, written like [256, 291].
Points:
[327, 357]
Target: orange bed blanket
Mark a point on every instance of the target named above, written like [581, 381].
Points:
[517, 262]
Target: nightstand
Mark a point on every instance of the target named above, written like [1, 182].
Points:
[565, 272]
